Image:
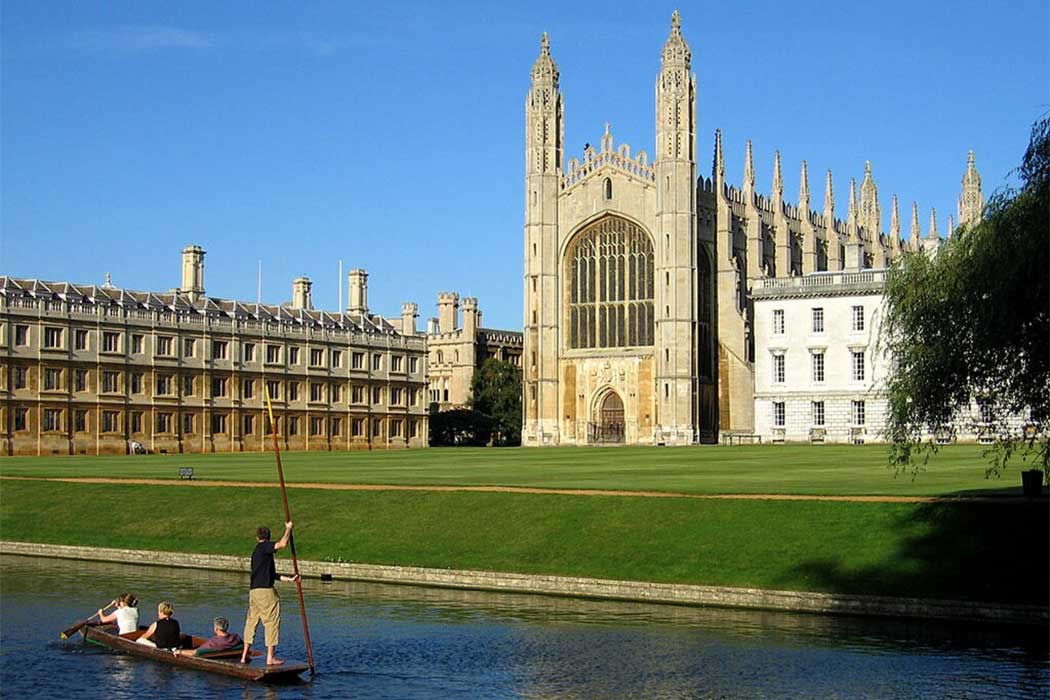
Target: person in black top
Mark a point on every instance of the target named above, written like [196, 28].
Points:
[264, 605]
[165, 632]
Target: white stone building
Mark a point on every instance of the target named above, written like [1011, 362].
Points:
[820, 374]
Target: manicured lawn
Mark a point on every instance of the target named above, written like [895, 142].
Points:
[973, 550]
[788, 469]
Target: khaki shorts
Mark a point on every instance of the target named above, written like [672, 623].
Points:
[264, 605]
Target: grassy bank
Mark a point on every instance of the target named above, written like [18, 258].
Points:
[978, 551]
[789, 469]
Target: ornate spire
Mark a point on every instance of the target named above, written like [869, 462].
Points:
[971, 199]
[544, 70]
[914, 232]
[803, 191]
[749, 168]
[932, 233]
[778, 181]
[951, 225]
[870, 216]
[676, 51]
[720, 160]
[829, 196]
[895, 220]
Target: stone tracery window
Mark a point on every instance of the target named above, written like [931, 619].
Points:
[609, 286]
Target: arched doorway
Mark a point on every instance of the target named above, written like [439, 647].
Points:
[609, 423]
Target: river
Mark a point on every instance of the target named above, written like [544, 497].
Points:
[382, 641]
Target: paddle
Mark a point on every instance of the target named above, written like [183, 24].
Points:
[291, 539]
[67, 633]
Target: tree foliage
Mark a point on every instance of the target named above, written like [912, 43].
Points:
[461, 427]
[973, 324]
[496, 388]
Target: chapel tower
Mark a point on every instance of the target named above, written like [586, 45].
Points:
[544, 135]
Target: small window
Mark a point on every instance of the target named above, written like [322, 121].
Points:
[778, 369]
[136, 343]
[249, 425]
[293, 391]
[413, 365]
[110, 382]
[52, 419]
[337, 358]
[293, 356]
[187, 424]
[80, 380]
[20, 418]
[818, 320]
[273, 354]
[248, 389]
[293, 425]
[608, 188]
[80, 340]
[53, 379]
[22, 335]
[858, 366]
[189, 347]
[18, 377]
[316, 357]
[357, 360]
[52, 337]
[858, 318]
[778, 322]
[136, 421]
[110, 342]
[273, 388]
[377, 362]
[187, 385]
[818, 413]
[249, 352]
[778, 414]
[218, 389]
[316, 392]
[136, 382]
[858, 413]
[218, 349]
[818, 367]
[164, 345]
[218, 424]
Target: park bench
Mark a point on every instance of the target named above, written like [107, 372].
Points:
[741, 438]
[186, 473]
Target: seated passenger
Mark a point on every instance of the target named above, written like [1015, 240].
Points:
[222, 641]
[165, 632]
[126, 615]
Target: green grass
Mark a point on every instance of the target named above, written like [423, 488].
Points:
[981, 551]
[786, 469]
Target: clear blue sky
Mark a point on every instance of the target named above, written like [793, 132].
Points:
[391, 136]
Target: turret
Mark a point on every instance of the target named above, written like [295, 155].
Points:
[409, 314]
[471, 316]
[870, 216]
[357, 297]
[448, 312]
[971, 200]
[301, 293]
[193, 272]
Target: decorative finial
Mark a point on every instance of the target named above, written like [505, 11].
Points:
[829, 194]
[932, 233]
[606, 128]
[749, 167]
[969, 159]
[803, 187]
[109, 281]
[778, 181]
[867, 167]
[720, 161]
[676, 21]
[545, 43]
[895, 219]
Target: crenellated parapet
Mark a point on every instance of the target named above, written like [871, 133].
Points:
[618, 159]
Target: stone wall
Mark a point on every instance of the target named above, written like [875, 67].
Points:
[680, 594]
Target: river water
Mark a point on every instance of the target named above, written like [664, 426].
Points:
[383, 641]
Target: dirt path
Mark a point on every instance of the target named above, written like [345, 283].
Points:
[523, 489]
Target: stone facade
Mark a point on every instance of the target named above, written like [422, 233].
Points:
[103, 370]
[457, 351]
[638, 277]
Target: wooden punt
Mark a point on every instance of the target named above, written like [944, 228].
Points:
[226, 663]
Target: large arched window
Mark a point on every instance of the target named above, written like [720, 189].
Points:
[609, 278]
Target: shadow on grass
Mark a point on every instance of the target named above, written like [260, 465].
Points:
[978, 551]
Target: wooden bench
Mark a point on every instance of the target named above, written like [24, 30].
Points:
[186, 473]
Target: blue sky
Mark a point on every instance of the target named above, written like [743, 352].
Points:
[391, 136]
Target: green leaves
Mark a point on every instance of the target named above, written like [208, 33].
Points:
[972, 324]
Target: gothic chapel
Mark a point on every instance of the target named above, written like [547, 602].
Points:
[638, 317]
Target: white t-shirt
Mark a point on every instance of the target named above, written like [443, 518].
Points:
[127, 619]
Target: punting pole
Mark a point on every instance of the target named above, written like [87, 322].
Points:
[291, 539]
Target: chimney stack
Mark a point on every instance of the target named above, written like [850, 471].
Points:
[357, 300]
[471, 315]
[409, 313]
[301, 293]
[193, 272]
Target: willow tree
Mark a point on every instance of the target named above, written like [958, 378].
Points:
[972, 324]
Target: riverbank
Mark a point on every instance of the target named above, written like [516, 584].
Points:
[788, 601]
[976, 551]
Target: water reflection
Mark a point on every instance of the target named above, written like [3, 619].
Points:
[383, 641]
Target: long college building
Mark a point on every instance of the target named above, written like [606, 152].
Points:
[638, 273]
[103, 370]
